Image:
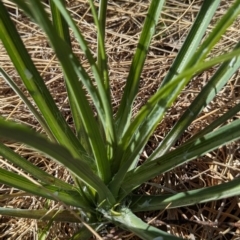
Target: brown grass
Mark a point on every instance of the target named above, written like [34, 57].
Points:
[214, 220]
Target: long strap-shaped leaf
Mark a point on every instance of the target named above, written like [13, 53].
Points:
[102, 58]
[35, 85]
[103, 67]
[62, 28]
[36, 114]
[157, 202]
[59, 22]
[77, 66]
[220, 120]
[220, 78]
[42, 214]
[27, 166]
[161, 95]
[155, 116]
[138, 132]
[80, 169]
[70, 64]
[147, 126]
[125, 109]
[185, 153]
[193, 39]
[102, 103]
[219, 29]
[165, 91]
[128, 220]
[100, 20]
[68, 197]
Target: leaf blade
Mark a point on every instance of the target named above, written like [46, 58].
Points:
[27, 166]
[151, 203]
[35, 84]
[102, 101]
[50, 192]
[130, 91]
[69, 64]
[41, 214]
[11, 83]
[186, 152]
[214, 85]
[80, 169]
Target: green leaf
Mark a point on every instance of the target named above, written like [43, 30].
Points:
[139, 131]
[127, 220]
[68, 197]
[125, 109]
[28, 103]
[216, 34]
[185, 153]
[164, 97]
[43, 215]
[157, 202]
[100, 22]
[131, 153]
[220, 120]
[219, 79]
[61, 27]
[68, 62]
[193, 39]
[35, 84]
[103, 70]
[214, 85]
[79, 168]
[101, 99]
[32, 169]
[102, 57]
[59, 23]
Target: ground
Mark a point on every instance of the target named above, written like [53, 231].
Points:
[214, 220]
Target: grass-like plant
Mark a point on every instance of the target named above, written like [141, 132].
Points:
[102, 153]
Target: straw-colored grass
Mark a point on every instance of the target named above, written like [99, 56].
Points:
[214, 220]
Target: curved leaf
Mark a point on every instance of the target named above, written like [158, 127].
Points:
[68, 197]
[128, 220]
[69, 63]
[139, 131]
[35, 84]
[43, 215]
[11, 83]
[185, 153]
[157, 202]
[131, 88]
[214, 85]
[36, 172]
[132, 151]
[79, 168]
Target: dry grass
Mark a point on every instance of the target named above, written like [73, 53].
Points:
[214, 220]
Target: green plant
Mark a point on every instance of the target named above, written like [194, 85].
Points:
[102, 154]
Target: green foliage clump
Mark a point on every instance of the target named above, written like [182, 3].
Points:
[102, 154]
